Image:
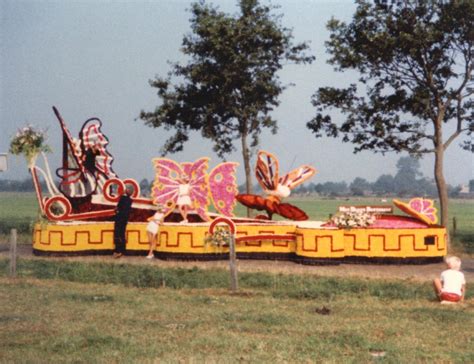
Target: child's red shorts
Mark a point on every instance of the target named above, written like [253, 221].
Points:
[451, 297]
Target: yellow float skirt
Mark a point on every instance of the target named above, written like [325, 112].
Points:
[306, 242]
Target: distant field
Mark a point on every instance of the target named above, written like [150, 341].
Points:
[20, 210]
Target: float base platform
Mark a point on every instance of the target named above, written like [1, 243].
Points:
[306, 243]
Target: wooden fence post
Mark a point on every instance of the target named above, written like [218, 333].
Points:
[234, 285]
[13, 253]
[455, 225]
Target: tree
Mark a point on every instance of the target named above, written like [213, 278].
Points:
[359, 186]
[415, 61]
[230, 84]
[409, 167]
[405, 180]
[384, 185]
[331, 188]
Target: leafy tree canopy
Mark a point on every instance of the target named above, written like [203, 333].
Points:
[415, 62]
[230, 84]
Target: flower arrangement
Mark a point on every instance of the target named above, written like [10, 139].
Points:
[220, 238]
[353, 219]
[29, 142]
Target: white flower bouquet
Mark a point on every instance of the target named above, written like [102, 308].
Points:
[29, 142]
[353, 219]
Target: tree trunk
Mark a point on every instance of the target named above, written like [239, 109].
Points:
[440, 181]
[441, 185]
[248, 170]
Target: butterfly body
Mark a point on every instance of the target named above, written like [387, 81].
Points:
[279, 193]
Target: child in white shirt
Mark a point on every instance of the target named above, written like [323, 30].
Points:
[184, 199]
[152, 230]
[451, 286]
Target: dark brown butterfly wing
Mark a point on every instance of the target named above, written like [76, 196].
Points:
[290, 212]
[272, 207]
[253, 201]
[258, 203]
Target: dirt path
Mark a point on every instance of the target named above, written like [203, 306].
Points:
[424, 272]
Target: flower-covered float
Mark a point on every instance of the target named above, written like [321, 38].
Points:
[78, 213]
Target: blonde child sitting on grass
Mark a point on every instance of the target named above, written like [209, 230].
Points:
[451, 286]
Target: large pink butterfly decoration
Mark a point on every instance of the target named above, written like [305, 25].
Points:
[219, 186]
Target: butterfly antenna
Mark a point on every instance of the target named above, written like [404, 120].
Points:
[292, 162]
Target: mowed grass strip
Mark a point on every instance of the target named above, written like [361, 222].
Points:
[278, 285]
[57, 321]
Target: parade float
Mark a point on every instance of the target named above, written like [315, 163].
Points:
[77, 214]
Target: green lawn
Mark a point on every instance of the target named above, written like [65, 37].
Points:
[120, 313]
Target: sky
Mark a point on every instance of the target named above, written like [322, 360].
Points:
[95, 59]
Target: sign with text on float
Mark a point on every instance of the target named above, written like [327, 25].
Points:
[370, 209]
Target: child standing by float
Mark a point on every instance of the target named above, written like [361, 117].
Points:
[184, 199]
[153, 228]
[451, 286]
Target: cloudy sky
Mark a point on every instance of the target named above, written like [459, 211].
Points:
[94, 59]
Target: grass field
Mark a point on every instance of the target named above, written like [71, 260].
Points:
[20, 210]
[120, 313]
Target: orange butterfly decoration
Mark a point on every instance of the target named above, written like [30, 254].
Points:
[276, 188]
